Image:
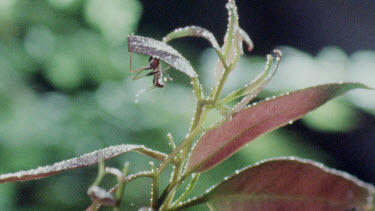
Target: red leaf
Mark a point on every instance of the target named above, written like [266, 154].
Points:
[81, 161]
[220, 143]
[290, 184]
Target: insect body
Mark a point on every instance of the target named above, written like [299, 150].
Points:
[154, 65]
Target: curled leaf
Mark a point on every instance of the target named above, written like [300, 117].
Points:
[247, 40]
[231, 36]
[257, 85]
[162, 51]
[218, 144]
[78, 162]
[193, 31]
[232, 48]
[290, 184]
[260, 82]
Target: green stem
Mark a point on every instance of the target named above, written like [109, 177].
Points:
[221, 85]
[200, 115]
[183, 148]
[170, 140]
[189, 188]
[197, 88]
[177, 150]
[155, 187]
[193, 132]
[121, 186]
[153, 154]
[226, 74]
[190, 203]
[101, 173]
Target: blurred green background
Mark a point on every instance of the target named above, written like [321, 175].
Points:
[66, 90]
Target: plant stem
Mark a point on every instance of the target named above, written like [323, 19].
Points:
[121, 185]
[153, 154]
[171, 142]
[194, 130]
[190, 203]
[184, 147]
[189, 188]
[101, 173]
[200, 115]
[155, 187]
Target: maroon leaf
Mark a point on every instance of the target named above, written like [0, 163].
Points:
[162, 51]
[220, 143]
[82, 161]
[290, 184]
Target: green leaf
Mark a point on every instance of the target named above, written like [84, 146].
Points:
[232, 36]
[257, 85]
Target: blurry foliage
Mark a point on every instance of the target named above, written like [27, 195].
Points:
[65, 90]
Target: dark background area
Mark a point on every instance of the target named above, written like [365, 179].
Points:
[306, 25]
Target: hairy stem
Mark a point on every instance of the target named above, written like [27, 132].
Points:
[189, 188]
[155, 187]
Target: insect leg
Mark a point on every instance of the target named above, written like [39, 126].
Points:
[163, 71]
[138, 71]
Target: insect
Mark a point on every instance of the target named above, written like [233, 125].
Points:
[154, 65]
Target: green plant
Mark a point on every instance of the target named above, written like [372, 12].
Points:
[281, 183]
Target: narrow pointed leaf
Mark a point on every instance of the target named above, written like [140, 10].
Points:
[247, 40]
[162, 51]
[78, 162]
[193, 31]
[231, 37]
[232, 48]
[290, 184]
[220, 143]
[257, 85]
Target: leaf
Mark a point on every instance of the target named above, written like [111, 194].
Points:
[247, 40]
[290, 184]
[162, 51]
[232, 36]
[233, 40]
[257, 85]
[220, 143]
[78, 162]
[193, 31]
